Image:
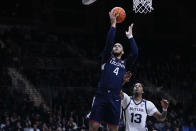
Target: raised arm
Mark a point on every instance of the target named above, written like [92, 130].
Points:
[133, 53]
[162, 116]
[122, 95]
[110, 39]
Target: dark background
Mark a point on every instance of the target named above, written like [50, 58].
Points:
[56, 45]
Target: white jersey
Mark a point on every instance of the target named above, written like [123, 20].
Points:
[136, 113]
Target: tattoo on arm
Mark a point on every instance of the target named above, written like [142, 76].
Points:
[160, 116]
[163, 115]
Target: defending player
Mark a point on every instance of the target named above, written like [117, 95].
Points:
[136, 109]
[107, 102]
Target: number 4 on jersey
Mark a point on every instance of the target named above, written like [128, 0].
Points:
[116, 71]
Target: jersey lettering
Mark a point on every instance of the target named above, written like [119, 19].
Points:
[116, 71]
[136, 118]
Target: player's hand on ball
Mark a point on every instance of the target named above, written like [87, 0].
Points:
[127, 77]
[129, 33]
[164, 103]
[112, 19]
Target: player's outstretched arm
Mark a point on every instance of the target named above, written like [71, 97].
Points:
[162, 116]
[125, 100]
[113, 19]
[122, 95]
[134, 49]
[110, 38]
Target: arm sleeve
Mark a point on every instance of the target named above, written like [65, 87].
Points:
[107, 52]
[132, 55]
[125, 100]
[151, 108]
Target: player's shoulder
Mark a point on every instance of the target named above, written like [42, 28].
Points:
[127, 97]
[108, 59]
[122, 61]
[125, 94]
[111, 58]
[149, 103]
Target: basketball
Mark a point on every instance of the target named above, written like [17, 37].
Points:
[121, 14]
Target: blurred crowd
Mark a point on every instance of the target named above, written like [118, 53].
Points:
[17, 113]
[69, 110]
[69, 66]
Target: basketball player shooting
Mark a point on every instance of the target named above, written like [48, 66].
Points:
[107, 101]
[136, 109]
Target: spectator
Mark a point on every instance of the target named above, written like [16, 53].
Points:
[7, 126]
[71, 125]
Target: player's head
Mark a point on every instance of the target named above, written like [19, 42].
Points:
[138, 89]
[117, 50]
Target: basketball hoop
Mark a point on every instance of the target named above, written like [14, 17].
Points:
[87, 2]
[142, 6]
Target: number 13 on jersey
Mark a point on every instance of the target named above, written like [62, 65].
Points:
[136, 118]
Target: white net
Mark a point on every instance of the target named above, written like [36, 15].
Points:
[142, 6]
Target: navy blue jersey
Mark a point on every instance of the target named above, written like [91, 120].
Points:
[113, 69]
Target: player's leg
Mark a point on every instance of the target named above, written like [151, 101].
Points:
[96, 116]
[113, 127]
[113, 115]
[93, 126]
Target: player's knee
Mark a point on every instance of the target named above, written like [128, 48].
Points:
[93, 126]
[113, 128]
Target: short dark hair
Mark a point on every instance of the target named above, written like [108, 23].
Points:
[140, 84]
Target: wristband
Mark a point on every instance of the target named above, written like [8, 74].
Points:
[164, 109]
[130, 36]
